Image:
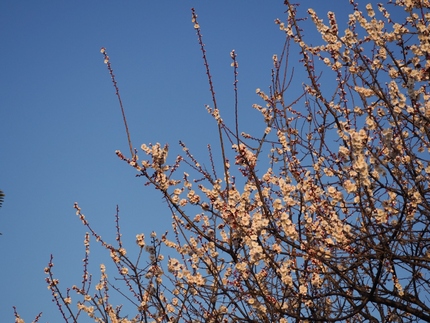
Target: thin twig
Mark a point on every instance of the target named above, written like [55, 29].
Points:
[236, 107]
[220, 125]
[107, 62]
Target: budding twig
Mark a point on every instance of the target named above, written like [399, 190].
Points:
[107, 62]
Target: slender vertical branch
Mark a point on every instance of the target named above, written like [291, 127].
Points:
[107, 62]
[202, 48]
[235, 65]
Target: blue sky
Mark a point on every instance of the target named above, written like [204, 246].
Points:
[60, 122]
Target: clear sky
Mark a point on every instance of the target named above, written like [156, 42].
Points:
[60, 122]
